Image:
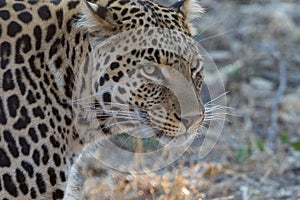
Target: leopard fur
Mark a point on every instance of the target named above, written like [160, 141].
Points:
[46, 48]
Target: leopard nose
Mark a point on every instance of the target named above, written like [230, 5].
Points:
[189, 121]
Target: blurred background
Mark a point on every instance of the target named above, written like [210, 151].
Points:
[256, 46]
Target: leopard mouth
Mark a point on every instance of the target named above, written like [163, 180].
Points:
[152, 130]
[164, 138]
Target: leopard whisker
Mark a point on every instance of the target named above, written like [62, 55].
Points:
[217, 118]
[132, 136]
[213, 114]
[220, 116]
[211, 25]
[119, 113]
[121, 123]
[214, 106]
[144, 129]
[92, 105]
[115, 117]
[218, 97]
[120, 110]
[73, 101]
[216, 35]
[99, 103]
[108, 113]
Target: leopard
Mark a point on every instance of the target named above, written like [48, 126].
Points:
[125, 55]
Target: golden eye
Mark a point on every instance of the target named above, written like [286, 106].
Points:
[149, 69]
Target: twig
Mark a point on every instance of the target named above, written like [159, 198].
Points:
[293, 80]
[244, 177]
[245, 192]
[225, 198]
[279, 94]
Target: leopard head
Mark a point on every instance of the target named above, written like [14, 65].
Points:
[146, 73]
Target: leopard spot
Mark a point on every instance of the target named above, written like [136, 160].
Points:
[13, 105]
[23, 120]
[25, 147]
[13, 29]
[25, 17]
[51, 30]
[20, 177]
[8, 83]
[4, 159]
[4, 14]
[72, 4]
[11, 143]
[52, 176]
[59, 16]
[57, 194]
[33, 193]
[36, 157]
[44, 13]
[40, 183]
[9, 185]
[18, 7]
[56, 159]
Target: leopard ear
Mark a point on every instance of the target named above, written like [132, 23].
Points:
[189, 8]
[177, 5]
[96, 17]
[97, 10]
[190, 11]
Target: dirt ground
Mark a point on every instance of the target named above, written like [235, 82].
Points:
[256, 46]
[258, 151]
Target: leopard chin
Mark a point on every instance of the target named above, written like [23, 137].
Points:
[183, 140]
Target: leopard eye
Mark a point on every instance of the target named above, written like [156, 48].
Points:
[149, 69]
[194, 65]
